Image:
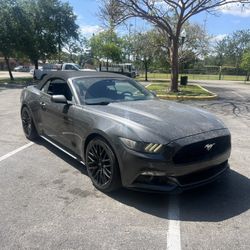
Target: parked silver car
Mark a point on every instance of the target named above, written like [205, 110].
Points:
[21, 68]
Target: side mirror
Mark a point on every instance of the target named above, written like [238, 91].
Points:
[153, 93]
[59, 99]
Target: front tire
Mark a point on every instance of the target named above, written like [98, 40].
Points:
[28, 124]
[102, 165]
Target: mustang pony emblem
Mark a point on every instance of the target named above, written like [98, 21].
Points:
[208, 147]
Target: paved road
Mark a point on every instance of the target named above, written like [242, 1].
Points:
[48, 202]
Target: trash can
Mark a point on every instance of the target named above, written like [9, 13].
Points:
[184, 80]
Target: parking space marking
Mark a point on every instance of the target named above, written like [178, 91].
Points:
[173, 234]
[4, 157]
[241, 96]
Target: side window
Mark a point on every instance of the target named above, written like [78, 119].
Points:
[69, 67]
[45, 87]
[59, 87]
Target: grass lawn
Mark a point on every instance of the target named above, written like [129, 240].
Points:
[189, 90]
[17, 80]
[152, 76]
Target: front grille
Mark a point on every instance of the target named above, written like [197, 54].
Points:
[201, 151]
[202, 175]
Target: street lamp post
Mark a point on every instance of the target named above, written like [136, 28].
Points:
[129, 37]
[183, 36]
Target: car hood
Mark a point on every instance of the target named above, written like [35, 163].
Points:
[161, 120]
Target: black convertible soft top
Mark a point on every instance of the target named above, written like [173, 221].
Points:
[65, 75]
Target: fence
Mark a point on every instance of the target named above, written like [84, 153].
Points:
[212, 73]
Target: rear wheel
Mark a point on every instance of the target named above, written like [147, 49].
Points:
[102, 165]
[28, 124]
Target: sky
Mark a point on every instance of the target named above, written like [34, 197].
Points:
[225, 22]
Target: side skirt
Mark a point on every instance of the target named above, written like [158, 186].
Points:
[62, 149]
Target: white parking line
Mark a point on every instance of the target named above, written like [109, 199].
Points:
[4, 157]
[173, 234]
[235, 93]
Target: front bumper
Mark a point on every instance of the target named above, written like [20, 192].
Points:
[182, 183]
[165, 173]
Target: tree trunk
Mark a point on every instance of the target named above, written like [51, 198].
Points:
[248, 76]
[8, 66]
[220, 70]
[36, 63]
[146, 70]
[174, 65]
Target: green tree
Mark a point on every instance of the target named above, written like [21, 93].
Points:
[168, 16]
[245, 64]
[49, 25]
[237, 43]
[147, 49]
[231, 48]
[75, 49]
[106, 45]
[195, 44]
[11, 30]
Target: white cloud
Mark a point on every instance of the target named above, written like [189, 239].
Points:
[88, 30]
[236, 9]
[218, 38]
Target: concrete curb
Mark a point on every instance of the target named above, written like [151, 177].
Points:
[212, 95]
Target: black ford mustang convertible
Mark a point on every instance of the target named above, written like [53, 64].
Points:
[124, 134]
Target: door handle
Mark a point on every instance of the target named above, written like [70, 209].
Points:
[42, 104]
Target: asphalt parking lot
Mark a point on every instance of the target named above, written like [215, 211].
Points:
[48, 202]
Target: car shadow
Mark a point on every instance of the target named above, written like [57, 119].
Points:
[223, 199]
[218, 201]
[74, 163]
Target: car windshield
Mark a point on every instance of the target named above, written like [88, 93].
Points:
[102, 91]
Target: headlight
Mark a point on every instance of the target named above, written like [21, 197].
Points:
[152, 148]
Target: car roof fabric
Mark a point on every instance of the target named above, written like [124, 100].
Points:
[65, 75]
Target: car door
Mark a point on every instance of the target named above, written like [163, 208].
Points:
[57, 118]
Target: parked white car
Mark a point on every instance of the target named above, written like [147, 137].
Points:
[40, 73]
[21, 68]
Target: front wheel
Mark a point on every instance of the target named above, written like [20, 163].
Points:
[28, 124]
[102, 166]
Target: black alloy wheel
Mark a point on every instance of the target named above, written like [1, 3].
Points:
[28, 124]
[102, 165]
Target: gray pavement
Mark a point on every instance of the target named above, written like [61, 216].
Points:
[220, 219]
[48, 202]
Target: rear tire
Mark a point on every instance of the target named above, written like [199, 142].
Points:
[102, 165]
[28, 124]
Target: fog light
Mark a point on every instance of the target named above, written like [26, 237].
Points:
[153, 173]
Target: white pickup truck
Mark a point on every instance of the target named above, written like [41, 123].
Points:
[43, 71]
